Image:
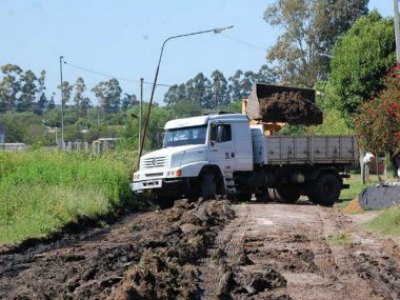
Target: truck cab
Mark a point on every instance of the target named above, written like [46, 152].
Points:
[198, 157]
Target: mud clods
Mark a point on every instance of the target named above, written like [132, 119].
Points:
[152, 255]
[290, 107]
[170, 271]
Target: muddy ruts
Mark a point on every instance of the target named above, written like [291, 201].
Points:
[148, 256]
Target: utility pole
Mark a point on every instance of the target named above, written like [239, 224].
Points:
[62, 104]
[396, 29]
[140, 114]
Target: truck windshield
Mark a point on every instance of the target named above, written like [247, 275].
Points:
[185, 136]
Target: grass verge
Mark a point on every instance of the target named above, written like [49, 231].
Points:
[40, 192]
[387, 222]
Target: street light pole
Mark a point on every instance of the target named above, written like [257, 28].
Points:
[215, 30]
[140, 114]
[62, 104]
[396, 28]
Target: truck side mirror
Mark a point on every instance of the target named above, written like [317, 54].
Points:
[214, 134]
[220, 133]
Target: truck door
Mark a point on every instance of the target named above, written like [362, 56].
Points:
[222, 147]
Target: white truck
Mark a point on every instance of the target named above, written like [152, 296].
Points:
[241, 155]
[224, 154]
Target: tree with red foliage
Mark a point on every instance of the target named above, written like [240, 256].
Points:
[378, 122]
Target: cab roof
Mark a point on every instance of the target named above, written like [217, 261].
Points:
[202, 120]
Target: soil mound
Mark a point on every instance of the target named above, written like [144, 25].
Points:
[170, 270]
[290, 107]
[153, 255]
[353, 206]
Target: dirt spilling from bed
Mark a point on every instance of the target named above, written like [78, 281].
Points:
[290, 107]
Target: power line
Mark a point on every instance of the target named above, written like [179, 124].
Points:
[113, 76]
[243, 42]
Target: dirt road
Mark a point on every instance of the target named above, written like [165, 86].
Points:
[211, 250]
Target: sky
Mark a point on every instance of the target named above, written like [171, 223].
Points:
[123, 38]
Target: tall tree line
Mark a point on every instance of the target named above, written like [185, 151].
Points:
[218, 90]
[22, 91]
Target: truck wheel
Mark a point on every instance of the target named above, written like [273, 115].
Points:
[263, 196]
[243, 197]
[208, 186]
[287, 194]
[326, 189]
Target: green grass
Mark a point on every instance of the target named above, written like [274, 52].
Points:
[342, 238]
[387, 222]
[42, 191]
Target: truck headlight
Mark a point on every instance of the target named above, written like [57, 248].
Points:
[175, 173]
[136, 176]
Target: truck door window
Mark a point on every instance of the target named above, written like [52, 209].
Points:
[225, 133]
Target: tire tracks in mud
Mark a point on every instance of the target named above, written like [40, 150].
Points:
[150, 255]
[279, 251]
[211, 250]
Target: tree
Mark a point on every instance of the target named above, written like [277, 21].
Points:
[42, 102]
[10, 87]
[28, 91]
[128, 101]
[184, 109]
[235, 88]
[171, 96]
[361, 58]
[249, 78]
[108, 94]
[52, 104]
[310, 28]
[378, 122]
[66, 92]
[219, 88]
[114, 92]
[99, 91]
[267, 75]
[82, 103]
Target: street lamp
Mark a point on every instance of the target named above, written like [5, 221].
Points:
[62, 104]
[215, 30]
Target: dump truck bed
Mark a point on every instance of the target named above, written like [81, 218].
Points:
[284, 150]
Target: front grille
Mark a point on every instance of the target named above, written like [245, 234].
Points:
[154, 162]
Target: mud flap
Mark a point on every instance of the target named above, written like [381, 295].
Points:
[380, 197]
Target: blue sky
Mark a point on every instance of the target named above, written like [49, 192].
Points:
[123, 38]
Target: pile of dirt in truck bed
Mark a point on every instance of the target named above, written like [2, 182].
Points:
[290, 107]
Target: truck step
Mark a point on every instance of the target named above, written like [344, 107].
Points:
[345, 186]
[345, 176]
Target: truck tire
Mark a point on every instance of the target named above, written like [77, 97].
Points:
[243, 197]
[287, 194]
[208, 186]
[325, 190]
[263, 196]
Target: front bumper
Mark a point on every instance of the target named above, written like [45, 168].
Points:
[156, 184]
